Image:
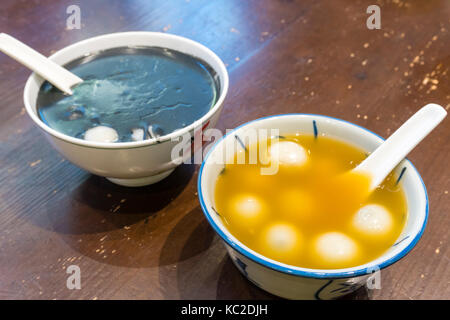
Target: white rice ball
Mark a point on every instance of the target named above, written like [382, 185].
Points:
[288, 152]
[336, 247]
[247, 206]
[101, 134]
[137, 134]
[282, 238]
[246, 212]
[373, 219]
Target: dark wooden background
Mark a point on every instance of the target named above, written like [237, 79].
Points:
[283, 56]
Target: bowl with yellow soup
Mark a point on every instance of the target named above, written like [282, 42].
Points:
[293, 223]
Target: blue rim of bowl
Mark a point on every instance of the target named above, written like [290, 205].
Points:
[296, 272]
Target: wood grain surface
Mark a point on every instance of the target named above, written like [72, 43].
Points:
[283, 56]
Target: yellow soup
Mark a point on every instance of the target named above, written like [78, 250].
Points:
[312, 213]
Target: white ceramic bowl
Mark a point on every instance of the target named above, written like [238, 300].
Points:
[127, 163]
[301, 283]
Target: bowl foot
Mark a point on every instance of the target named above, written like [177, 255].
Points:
[140, 182]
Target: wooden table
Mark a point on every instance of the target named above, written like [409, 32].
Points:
[283, 56]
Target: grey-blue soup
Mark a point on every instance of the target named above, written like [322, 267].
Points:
[141, 93]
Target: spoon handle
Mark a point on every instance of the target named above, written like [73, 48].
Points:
[49, 70]
[386, 157]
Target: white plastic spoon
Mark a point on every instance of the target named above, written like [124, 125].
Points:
[49, 70]
[386, 157]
